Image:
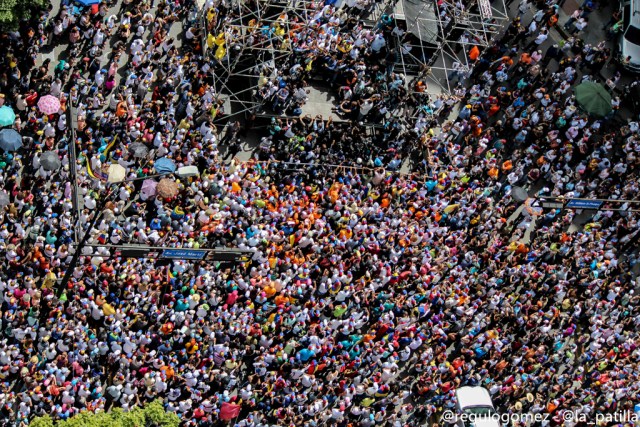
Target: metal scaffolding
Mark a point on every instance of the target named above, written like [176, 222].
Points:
[252, 39]
[441, 34]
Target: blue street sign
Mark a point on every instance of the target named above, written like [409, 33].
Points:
[584, 204]
[183, 253]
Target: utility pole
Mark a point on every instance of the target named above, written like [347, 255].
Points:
[76, 255]
[73, 163]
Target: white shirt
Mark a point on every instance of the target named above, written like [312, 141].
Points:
[541, 38]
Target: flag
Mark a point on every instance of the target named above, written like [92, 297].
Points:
[229, 411]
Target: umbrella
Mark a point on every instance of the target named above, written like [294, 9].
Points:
[49, 104]
[50, 161]
[187, 171]
[167, 188]
[164, 165]
[4, 199]
[10, 140]
[519, 194]
[116, 173]
[138, 149]
[593, 98]
[148, 189]
[7, 116]
[87, 2]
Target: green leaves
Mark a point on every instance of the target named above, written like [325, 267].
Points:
[45, 421]
[13, 11]
[153, 413]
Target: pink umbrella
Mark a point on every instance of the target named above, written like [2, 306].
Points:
[49, 104]
[148, 189]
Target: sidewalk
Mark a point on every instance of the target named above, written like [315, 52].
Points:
[597, 19]
[594, 33]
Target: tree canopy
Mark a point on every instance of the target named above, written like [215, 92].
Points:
[14, 11]
[151, 415]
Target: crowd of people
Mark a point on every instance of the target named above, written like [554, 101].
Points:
[370, 294]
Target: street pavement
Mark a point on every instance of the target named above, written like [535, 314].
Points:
[593, 35]
[176, 32]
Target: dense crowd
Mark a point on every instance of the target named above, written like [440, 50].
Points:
[370, 294]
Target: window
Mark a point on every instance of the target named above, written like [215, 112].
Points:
[478, 413]
[632, 35]
[479, 410]
[626, 15]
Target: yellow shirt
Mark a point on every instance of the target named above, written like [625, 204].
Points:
[184, 124]
[49, 280]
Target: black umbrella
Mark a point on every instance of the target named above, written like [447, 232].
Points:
[50, 161]
[519, 194]
[138, 150]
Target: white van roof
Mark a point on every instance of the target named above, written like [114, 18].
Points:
[634, 9]
[486, 422]
[470, 397]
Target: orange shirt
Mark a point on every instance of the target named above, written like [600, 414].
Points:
[474, 53]
[282, 300]
[346, 233]
[121, 109]
[507, 61]
[167, 328]
[368, 337]
[273, 261]
[192, 347]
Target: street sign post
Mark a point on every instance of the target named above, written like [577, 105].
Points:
[549, 202]
[183, 254]
[584, 204]
[552, 204]
[221, 254]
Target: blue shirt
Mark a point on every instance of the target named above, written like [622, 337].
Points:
[306, 354]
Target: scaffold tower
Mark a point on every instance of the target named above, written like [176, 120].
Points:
[253, 39]
[440, 33]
